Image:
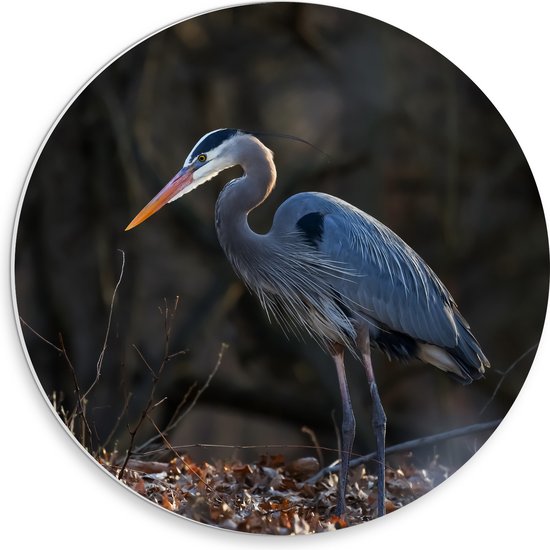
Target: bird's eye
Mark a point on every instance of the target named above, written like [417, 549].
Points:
[201, 158]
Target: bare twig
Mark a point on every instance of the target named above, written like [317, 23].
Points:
[154, 375]
[394, 449]
[79, 410]
[80, 407]
[159, 402]
[117, 423]
[133, 433]
[99, 363]
[175, 420]
[504, 375]
[243, 447]
[40, 336]
[315, 442]
[201, 390]
[410, 445]
[177, 354]
[171, 423]
[187, 465]
[151, 404]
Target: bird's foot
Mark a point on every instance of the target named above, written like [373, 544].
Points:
[338, 518]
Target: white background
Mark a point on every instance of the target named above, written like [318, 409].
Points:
[52, 495]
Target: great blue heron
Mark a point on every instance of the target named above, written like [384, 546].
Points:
[328, 268]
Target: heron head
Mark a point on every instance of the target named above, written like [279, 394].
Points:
[213, 153]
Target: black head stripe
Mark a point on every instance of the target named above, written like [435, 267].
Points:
[213, 140]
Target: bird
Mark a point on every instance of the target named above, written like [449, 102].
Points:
[330, 270]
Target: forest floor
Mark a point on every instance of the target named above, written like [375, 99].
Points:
[271, 496]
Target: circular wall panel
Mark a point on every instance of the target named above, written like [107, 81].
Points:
[317, 142]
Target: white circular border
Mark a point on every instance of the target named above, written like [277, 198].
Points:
[50, 494]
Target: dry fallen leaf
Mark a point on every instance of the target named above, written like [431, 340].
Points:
[302, 468]
[271, 496]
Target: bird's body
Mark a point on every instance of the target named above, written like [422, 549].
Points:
[342, 272]
[329, 269]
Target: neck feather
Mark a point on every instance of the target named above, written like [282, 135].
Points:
[238, 198]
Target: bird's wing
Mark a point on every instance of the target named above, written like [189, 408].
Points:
[392, 284]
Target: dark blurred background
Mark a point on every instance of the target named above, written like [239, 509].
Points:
[412, 141]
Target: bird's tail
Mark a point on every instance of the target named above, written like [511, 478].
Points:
[465, 362]
[467, 354]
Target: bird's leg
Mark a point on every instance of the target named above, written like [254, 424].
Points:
[378, 424]
[348, 429]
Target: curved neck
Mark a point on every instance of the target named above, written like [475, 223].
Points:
[241, 196]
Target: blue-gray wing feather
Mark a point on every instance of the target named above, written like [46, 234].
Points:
[385, 281]
[392, 284]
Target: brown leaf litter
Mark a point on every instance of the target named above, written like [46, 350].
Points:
[271, 496]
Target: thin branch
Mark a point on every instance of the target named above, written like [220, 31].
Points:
[71, 367]
[177, 354]
[117, 423]
[154, 375]
[133, 433]
[187, 465]
[99, 363]
[79, 410]
[315, 442]
[171, 423]
[168, 318]
[360, 459]
[40, 336]
[504, 375]
[176, 420]
[201, 390]
[80, 407]
[243, 447]
[159, 403]
[410, 445]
